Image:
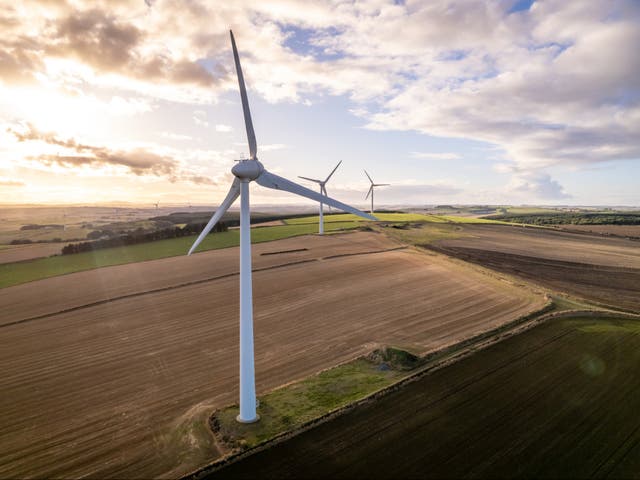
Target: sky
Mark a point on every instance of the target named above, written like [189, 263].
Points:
[451, 102]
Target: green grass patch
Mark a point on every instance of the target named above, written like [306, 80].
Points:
[621, 326]
[289, 407]
[21, 272]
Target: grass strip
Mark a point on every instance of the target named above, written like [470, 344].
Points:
[293, 405]
[22, 272]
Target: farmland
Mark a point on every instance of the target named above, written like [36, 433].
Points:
[113, 372]
[557, 401]
[14, 274]
[601, 269]
[20, 253]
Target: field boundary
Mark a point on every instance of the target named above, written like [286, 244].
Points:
[434, 361]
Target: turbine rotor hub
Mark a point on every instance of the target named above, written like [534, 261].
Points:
[247, 170]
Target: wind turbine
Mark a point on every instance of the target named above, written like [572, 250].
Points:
[370, 192]
[246, 171]
[323, 191]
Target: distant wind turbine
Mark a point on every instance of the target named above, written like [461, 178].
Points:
[323, 191]
[370, 192]
[246, 171]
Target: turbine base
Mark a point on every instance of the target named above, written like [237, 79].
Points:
[242, 420]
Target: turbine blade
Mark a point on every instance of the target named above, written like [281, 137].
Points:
[310, 179]
[381, 184]
[332, 171]
[251, 136]
[269, 180]
[369, 192]
[365, 172]
[231, 197]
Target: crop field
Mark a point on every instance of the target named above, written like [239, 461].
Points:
[558, 401]
[112, 373]
[14, 274]
[27, 271]
[602, 269]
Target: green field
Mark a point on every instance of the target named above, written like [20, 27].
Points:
[348, 217]
[390, 217]
[558, 401]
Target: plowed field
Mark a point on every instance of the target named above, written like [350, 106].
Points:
[112, 373]
[604, 269]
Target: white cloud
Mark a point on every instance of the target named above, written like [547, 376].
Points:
[200, 118]
[536, 185]
[436, 155]
[273, 146]
[223, 128]
[176, 136]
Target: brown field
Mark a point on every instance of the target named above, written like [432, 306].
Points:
[603, 269]
[93, 286]
[19, 253]
[122, 388]
[632, 231]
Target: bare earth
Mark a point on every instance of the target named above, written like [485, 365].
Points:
[122, 389]
[546, 243]
[19, 253]
[602, 269]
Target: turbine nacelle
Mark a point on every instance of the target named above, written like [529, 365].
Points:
[247, 170]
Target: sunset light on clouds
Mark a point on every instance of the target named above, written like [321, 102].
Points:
[449, 101]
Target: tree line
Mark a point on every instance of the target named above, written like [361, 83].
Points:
[571, 218]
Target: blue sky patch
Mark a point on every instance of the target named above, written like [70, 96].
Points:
[521, 5]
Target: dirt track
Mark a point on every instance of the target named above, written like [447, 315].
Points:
[121, 389]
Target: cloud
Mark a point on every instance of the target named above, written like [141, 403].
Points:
[8, 182]
[539, 185]
[200, 118]
[139, 161]
[436, 156]
[176, 136]
[223, 128]
[273, 146]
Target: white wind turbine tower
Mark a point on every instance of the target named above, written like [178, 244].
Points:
[246, 171]
[323, 191]
[370, 192]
